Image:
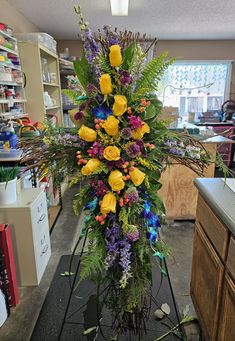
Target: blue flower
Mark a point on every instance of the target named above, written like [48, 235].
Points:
[101, 112]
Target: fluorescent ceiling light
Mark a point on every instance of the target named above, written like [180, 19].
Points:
[119, 7]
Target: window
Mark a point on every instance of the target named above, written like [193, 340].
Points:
[196, 86]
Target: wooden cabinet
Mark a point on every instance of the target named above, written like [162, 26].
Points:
[213, 269]
[207, 274]
[227, 321]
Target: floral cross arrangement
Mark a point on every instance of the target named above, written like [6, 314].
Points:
[119, 150]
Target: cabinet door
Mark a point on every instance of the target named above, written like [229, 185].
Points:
[227, 321]
[206, 282]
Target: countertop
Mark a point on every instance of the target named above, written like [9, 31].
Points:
[220, 197]
[205, 135]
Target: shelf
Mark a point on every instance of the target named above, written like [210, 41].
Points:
[46, 51]
[6, 101]
[54, 107]
[10, 66]
[6, 35]
[69, 107]
[11, 83]
[53, 212]
[51, 84]
[9, 50]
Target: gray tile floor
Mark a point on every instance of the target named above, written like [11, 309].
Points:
[20, 324]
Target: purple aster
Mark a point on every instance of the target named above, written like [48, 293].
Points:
[133, 150]
[135, 122]
[126, 133]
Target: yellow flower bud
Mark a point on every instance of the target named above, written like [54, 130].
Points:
[112, 153]
[138, 133]
[108, 203]
[120, 105]
[90, 167]
[116, 181]
[105, 84]
[87, 134]
[137, 177]
[111, 125]
[115, 56]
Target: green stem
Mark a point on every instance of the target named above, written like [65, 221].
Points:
[169, 332]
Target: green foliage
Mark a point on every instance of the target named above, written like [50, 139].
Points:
[101, 169]
[222, 166]
[71, 94]
[81, 198]
[8, 174]
[83, 71]
[76, 179]
[105, 64]
[92, 262]
[128, 55]
[153, 72]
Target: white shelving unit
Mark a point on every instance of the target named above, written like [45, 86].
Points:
[8, 68]
[32, 55]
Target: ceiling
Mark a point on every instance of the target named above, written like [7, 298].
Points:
[164, 19]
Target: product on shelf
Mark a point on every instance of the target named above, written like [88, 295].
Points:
[41, 38]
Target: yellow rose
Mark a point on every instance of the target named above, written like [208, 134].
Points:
[116, 181]
[120, 105]
[90, 167]
[115, 56]
[112, 153]
[137, 177]
[105, 84]
[108, 203]
[138, 133]
[111, 125]
[87, 134]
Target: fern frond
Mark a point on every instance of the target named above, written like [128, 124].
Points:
[153, 72]
[101, 169]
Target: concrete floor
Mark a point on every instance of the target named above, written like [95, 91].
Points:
[20, 324]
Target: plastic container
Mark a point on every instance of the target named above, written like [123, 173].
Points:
[39, 38]
[8, 192]
[10, 153]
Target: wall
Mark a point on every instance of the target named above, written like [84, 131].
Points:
[182, 49]
[74, 46]
[15, 19]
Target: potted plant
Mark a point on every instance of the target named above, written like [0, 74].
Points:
[8, 177]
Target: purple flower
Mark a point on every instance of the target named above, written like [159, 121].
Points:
[135, 122]
[111, 37]
[132, 195]
[126, 133]
[125, 77]
[133, 150]
[91, 90]
[125, 262]
[79, 115]
[133, 236]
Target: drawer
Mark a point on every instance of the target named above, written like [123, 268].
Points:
[230, 265]
[39, 217]
[42, 251]
[213, 227]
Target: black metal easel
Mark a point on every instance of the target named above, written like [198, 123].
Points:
[73, 284]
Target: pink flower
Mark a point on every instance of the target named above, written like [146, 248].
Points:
[135, 122]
